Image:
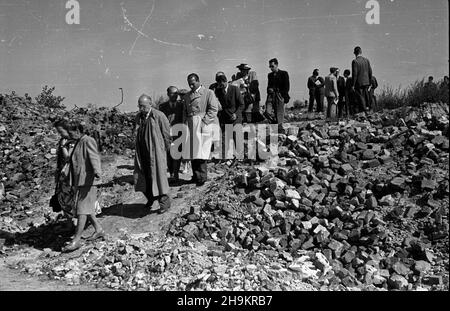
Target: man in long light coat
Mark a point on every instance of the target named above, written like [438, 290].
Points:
[200, 115]
[152, 143]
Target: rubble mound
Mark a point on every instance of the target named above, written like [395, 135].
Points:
[365, 200]
[28, 150]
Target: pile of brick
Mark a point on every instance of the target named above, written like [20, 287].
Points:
[366, 199]
[28, 143]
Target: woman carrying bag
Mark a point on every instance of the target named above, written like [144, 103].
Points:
[85, 171]
[63, 199]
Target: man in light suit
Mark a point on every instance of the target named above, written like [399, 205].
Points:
[200, 114]
[362, 76]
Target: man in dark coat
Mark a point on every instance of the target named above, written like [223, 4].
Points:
[213, 86]
[362, 75]
[152, 143]
[350, 97]
[200, 114]
[233, 105]
[231, 101]
[430, 90]
[173, 110]
[316, 87]
[278, 85]
[342, 89]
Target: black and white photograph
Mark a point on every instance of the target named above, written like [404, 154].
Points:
[224, 152]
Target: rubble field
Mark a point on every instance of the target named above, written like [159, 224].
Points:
[358, 204]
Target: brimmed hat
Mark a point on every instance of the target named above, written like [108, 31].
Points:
[243, 67]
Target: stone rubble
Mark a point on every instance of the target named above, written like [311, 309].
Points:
[366, 199]
[359, 204]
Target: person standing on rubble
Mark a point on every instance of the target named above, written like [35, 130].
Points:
[150, 164]
[332, 93]
[350, 96]
[85, 171]
[247, 80]
[232, 102]
[342, 90]
[430, 90]
[213, 86]
[278, 87]
[362, 76]
[173, 110]
[316, 87]
[444, 90]
[200, 115]
[373, 98]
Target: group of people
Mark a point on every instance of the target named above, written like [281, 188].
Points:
[432, 90]
[77, 177]
[201, 110]
[345, 95]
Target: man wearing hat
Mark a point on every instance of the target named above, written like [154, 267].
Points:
[249, 85]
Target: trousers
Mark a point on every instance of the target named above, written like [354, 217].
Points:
[200, 170]
[362, 97]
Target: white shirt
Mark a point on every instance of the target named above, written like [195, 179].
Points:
[196, 91]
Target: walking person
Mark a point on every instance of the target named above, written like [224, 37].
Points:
[173, 110]
[332, 93]
[150, 164]
[362, 75]
[85, 171]
[200, 114]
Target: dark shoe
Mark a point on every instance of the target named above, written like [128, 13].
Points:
[200, 183]
[96, 236]
[73, 246]
[174, 182]
[162, 211]
[149, 204]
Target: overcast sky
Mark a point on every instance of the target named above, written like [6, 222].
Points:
[112, 47]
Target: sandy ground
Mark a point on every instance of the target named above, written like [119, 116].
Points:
[128, 215]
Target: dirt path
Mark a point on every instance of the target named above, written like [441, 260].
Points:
[12, 280]
[128, 214]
